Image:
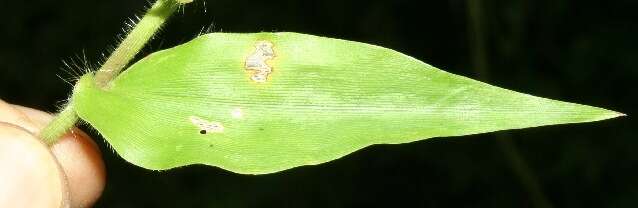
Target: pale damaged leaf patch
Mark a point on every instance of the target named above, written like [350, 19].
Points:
[256, 62]
[207, 126]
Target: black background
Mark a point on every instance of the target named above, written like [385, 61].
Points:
[579, 51]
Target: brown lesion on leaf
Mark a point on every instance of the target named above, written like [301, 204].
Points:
[205, 126]
[256, 62]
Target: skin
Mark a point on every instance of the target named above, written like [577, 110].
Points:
[70, 173]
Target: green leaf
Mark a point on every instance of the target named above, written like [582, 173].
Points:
[184, 1]
[273, 101]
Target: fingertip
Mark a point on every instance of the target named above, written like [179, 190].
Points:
[9, 114]
[80, 158]
[82, 162]
[38, 118]
[31, 176]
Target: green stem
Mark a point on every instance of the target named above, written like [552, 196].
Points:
[480, 63]
[63, 122]
[125, 52]
[135, 41]
[522, 171]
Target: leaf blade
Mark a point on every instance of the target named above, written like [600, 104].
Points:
[324, 99]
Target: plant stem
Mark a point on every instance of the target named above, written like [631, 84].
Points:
[62, 122]
[135, 40]
[480, 63]
[141, 33]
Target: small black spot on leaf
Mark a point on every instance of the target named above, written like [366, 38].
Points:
[202, 132]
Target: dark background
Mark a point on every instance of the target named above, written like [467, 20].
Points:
[579, 51]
